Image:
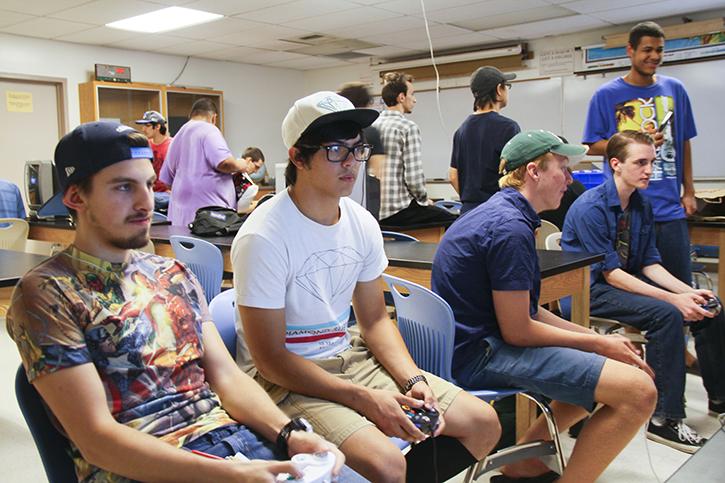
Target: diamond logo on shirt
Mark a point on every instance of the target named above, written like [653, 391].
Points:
[329, 273]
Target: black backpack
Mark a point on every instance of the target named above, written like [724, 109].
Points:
[216, 221]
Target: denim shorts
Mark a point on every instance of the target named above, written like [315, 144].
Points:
[560, 373]
[236, 438]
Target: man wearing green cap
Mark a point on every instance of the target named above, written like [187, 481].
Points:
[487, 269]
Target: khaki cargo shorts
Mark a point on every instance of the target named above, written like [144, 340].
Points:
[334, 421]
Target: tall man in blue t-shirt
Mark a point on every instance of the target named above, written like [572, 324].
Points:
[639, 101]
[477, 144]
[487, 269]
[631, 286]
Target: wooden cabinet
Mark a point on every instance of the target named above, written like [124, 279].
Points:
[179, 101]
[126, 103]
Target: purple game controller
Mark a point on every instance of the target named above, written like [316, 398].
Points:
[426, 420]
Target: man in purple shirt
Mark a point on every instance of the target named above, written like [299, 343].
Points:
[199, 166]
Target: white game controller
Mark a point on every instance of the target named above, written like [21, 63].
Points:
[315, 468]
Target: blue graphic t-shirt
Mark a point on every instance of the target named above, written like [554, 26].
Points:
[618, 106]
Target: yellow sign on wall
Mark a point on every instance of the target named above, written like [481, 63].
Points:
[16, 101]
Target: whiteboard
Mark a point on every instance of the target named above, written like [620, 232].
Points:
[559, 105]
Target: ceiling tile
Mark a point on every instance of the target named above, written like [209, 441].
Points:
[281, 14]
[345, 18]
[309, 63]
[406, 37]
[10, 18]
[261, 35]
[101, 12]
[271, 56]
[591, 6]
[664, 9]
[216, 28]
[513, 18]
[233, 7]
[191, 47]
[98, 36]
[412, 7]
[368, 2]
[488, 8]
[543, 28]
[40, 7]
[380, 29]
[46, 28]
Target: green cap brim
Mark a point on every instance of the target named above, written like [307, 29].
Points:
[569, 150]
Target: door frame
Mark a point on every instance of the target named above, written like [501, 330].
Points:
[61, 89]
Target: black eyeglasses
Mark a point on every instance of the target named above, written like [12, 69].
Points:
[508, 84]
[337, 153]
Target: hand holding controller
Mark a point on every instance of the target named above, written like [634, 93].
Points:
[315, 468]
[426, 420]
[713, 306]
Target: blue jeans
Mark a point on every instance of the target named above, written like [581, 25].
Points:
[665, 344]
[673, 243]
[237, 438]
[561, 373]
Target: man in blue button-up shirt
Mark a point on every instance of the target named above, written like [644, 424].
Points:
[487, 269]
[632, 286]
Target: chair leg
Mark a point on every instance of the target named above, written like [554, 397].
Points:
[553, 429]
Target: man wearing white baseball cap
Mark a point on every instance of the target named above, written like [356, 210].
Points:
[299, 261]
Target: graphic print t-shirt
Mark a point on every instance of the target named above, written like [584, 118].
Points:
[618, 106]
[139, 324]
[284, 260]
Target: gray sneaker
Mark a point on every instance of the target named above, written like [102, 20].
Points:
[676, 434]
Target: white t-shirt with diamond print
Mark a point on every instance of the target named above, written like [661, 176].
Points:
[282, 259]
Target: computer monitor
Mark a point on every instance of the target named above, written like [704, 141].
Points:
[40, 183]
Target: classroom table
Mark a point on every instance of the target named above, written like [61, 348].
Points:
[711, 233]
[13, 265]
[426, 232]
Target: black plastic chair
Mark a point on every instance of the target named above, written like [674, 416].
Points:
[54, 448]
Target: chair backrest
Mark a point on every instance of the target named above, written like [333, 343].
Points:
[157, 217]
[54, 448]
[204, 259]
[546, 229]
[397, 236]
[223, 310]
[427, 325]
[13, 233]
[553, 241]
[452, 206]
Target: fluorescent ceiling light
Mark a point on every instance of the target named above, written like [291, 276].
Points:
[163, 20]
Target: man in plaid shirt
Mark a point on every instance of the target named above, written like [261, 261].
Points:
[404, 200]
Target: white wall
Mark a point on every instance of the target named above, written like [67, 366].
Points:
[256, 98]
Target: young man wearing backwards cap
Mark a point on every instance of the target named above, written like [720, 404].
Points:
[299, 261]
[153, 125]
[477, 144]
[486, 267]
[120, 345]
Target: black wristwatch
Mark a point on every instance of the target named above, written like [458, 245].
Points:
[295, 424]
